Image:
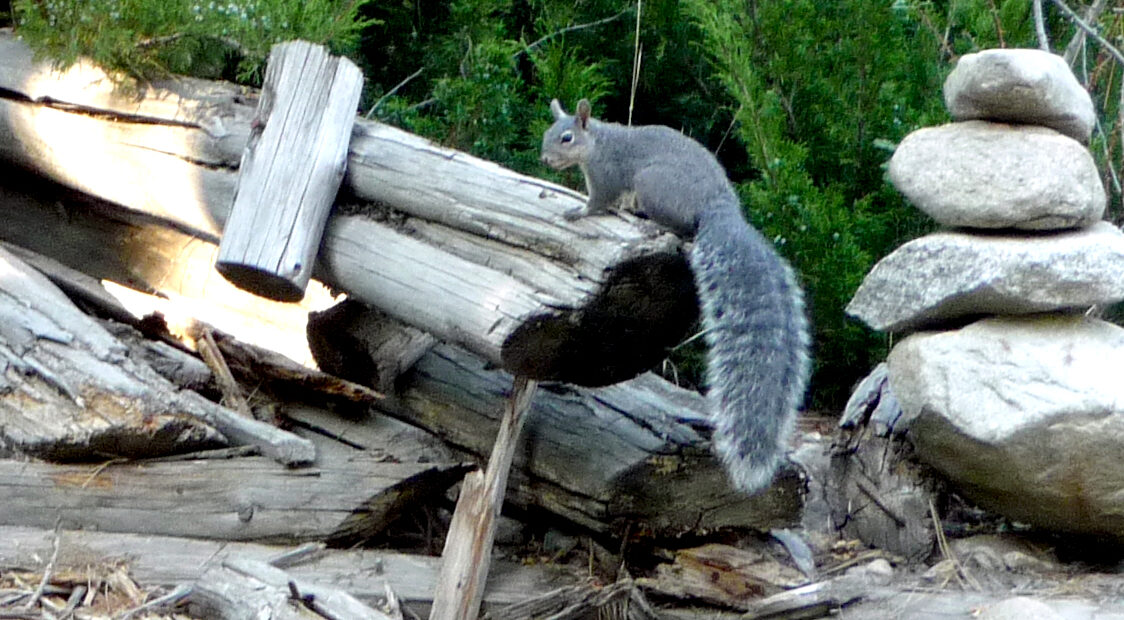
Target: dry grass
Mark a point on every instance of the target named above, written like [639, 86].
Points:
[93, 591]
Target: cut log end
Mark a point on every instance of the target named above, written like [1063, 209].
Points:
[647, 306]
[262, 282]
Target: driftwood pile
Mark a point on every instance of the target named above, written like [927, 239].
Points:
[177, 464]
[116, 451]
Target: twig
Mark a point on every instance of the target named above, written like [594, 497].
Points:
[998, 23]
[73, 601]
[946, 550]
[1120, 134]
[170, 598]
[298, 555]
[209, 350]
[31, 602]
[1040, 27]
[573, 28]
[390, 93]
[100, 468]
[1076, 19]
[1078, 40]
[206, 455]
[637, 52]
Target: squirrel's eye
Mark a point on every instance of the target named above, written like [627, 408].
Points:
[567, 136]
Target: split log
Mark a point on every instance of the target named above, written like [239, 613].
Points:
[483, 257]
[75, 394]
[214, 498]
[365, 574]
[290, 171]
[468, 545]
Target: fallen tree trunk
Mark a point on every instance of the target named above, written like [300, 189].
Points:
[483, 258]
[243, 499]
[170, 561]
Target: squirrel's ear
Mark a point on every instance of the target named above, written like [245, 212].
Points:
[583, 112]
[556, 110]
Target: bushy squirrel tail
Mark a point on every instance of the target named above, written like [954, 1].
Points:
[754, 322]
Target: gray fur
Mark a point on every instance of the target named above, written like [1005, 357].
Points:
[752, 306]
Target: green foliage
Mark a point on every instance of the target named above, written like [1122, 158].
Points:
[488, 89]
[802, 100]
[147, 38]
[815, 127]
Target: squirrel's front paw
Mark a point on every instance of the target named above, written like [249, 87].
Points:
[574, 214]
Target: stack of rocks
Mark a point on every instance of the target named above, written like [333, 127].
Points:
[1019, 399]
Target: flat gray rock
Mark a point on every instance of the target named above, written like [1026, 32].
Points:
[949, 275]
[1022, 415]
[979, 174]
[1025, 86]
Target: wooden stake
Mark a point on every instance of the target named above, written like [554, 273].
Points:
[468, 546]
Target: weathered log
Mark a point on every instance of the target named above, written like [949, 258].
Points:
[599, 458]
[241, 589]
[211, 498]
[635, 452]
[77, 395]
[290, 171]
[484, 258]
[169, 561]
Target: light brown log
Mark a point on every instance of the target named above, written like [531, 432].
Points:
[483, 258]
[290, 171]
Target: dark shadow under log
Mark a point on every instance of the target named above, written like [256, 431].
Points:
[645, 306]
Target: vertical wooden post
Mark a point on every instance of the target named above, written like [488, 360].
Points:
[468, 547]
[291, 170]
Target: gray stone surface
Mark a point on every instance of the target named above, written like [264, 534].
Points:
[947, 275]
[980, 174]
[1023, 416]
[1020, 86]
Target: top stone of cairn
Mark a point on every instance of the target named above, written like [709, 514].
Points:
[1020, 86]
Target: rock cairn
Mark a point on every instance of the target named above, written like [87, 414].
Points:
[1013, 393]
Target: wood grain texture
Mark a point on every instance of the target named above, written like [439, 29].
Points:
[70, 391]
[171, 561]
[290, 171]
[476, 255]
[210, 499]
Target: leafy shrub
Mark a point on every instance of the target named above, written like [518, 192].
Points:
[148, 38]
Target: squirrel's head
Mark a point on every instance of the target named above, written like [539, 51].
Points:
[568, 141]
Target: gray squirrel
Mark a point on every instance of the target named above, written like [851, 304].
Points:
[752, 307]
